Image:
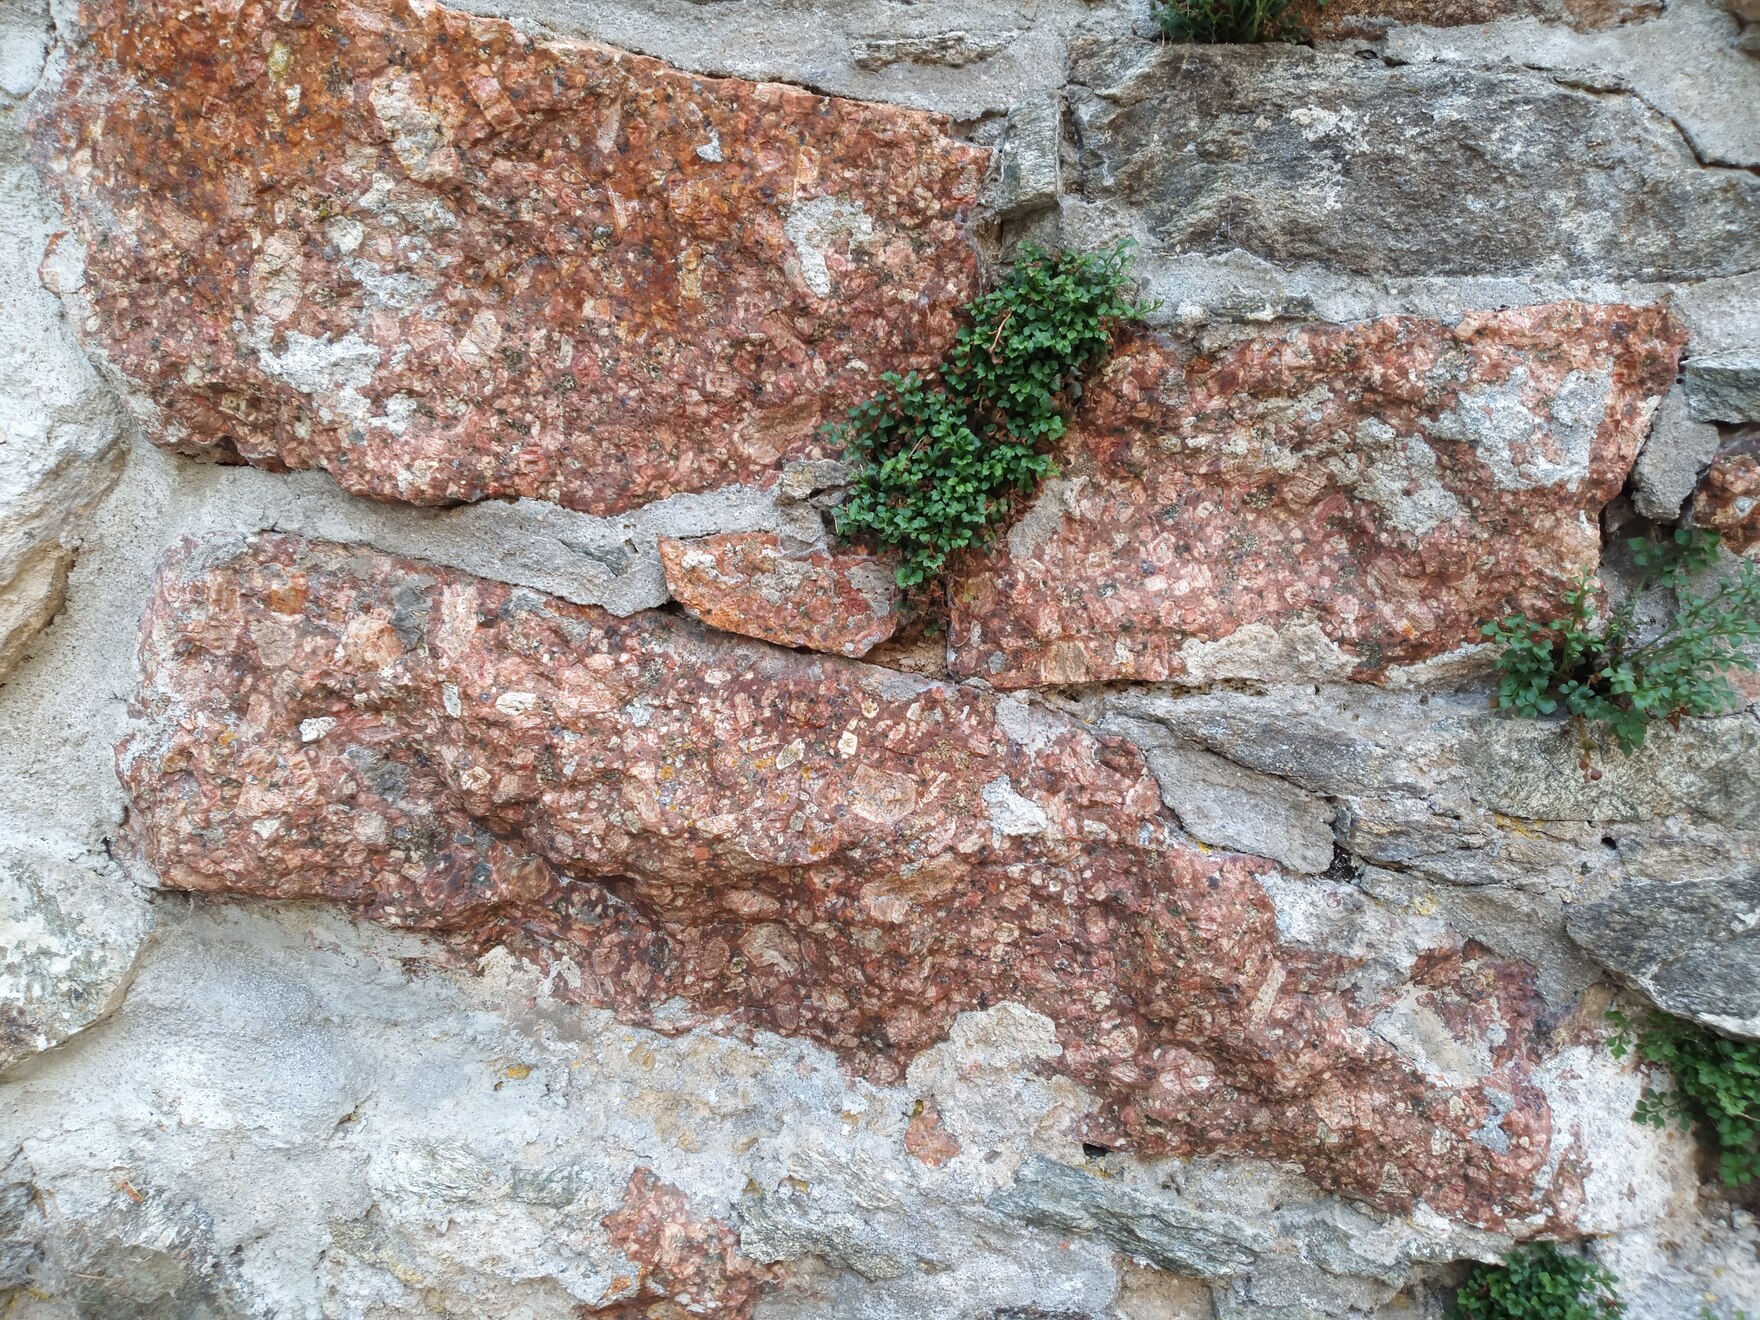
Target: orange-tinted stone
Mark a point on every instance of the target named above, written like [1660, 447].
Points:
[1728, 498]
[928, 1139]
[747, 583]
[714, 832]
[1392, 484]
[686, 1266]
[446, 260]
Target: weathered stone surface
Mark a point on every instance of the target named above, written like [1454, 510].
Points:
[1030, 164]
[1704, 768]
[928, 1139]
[1232, 807]
[1462, 815]
[1362, 18]
[1309, 1259]
[729, 834]
[1693, 946]
[447, 261]
[1684, 65]
[1415, 170]
[611, 562]
[1678, 450]
[684, 1264]
[69, 933]
[1370, 493]
[823, 600]
[953, 49]
[456, 1143]
[1724, 388]
[457, 1138]
[58, 426]
[1168, 1236]
[1729, 497]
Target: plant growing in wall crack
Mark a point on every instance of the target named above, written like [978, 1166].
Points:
[1602, 669]
[1538, 1282]
[1716, 1080]
[940, 462]
[1229, 21]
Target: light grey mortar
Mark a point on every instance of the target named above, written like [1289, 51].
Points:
[59, 427]
[964, 58]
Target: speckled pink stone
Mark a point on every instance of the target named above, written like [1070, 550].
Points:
[445, 260]
[748, 583]
[794, 843]
[1392, 484]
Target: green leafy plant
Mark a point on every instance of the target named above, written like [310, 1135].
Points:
[940, 462]
[1601, 668]
[1716, 1080]
[1228, 21]
[1537, 1281]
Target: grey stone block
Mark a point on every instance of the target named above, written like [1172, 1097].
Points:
[1030, 172]
[1300, 157]
[1724, 388]
[1047, 1194]
[1229, 806]
[1692, 946]
[1678, 450]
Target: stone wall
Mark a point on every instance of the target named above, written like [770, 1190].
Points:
[473, 843]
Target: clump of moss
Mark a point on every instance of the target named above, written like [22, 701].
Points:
[1538, 1282]
[941, 461]
[1602, 669]
[1716, 1085]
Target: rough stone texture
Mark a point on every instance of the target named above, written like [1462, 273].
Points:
[1053, 1195]
[928, 1139]
[1704, 768]
[1223, 804]
[1425, 169]
[1729, 497]
[1029, 175]
[447, 261]
[69, 932]
[1362, 18]
[1692, 946]
[58, 427]
[1453, 811]
[468, 1176]
[1251, 498]
[292, 1115]
[966, 58]
[1685, 65]
[1724, 388]
[684, 1264]
[1679, 448]
[823, 600]
[807, 846]
[610, 562]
